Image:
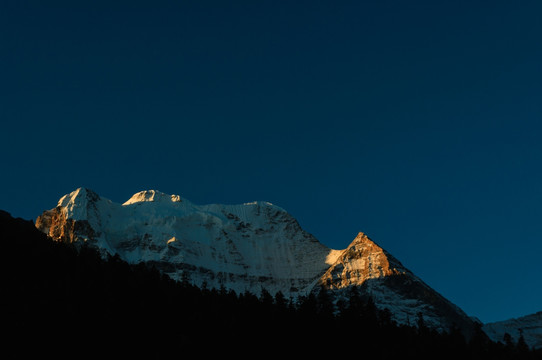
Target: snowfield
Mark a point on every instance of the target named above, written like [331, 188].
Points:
[247, 247]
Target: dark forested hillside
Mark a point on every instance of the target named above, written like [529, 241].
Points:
[63, 302]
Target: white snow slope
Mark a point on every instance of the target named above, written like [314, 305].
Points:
[530, 325]
[244, 248]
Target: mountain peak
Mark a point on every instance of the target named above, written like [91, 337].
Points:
[152, 196]
[363, 243]
[363, 259]
[80, 195]
[77, 203]
[361, 238]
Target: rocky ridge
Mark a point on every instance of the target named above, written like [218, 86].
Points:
[245, 248]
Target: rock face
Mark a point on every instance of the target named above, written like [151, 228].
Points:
[530, 326]
[366, 265]
[360, 261]
[245, 248]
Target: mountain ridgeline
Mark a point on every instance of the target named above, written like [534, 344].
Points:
[245, 248]
[173, 262]
[69, 300]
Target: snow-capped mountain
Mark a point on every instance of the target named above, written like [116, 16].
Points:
[530, 326]
[366, 265]
[245, 248]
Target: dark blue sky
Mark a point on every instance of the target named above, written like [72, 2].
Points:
[417, 122]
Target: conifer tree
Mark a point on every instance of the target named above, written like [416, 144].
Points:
[521, 345]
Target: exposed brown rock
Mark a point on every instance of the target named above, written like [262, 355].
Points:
[54, 223]
[361, 260]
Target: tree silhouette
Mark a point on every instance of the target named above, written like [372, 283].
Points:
[64, 301]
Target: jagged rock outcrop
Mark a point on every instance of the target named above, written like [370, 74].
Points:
[365, 265]
[360, 261]
[245, 248]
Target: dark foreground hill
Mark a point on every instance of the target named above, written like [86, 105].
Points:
[63, 302]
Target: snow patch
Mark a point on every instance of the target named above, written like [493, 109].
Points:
[333, 255]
